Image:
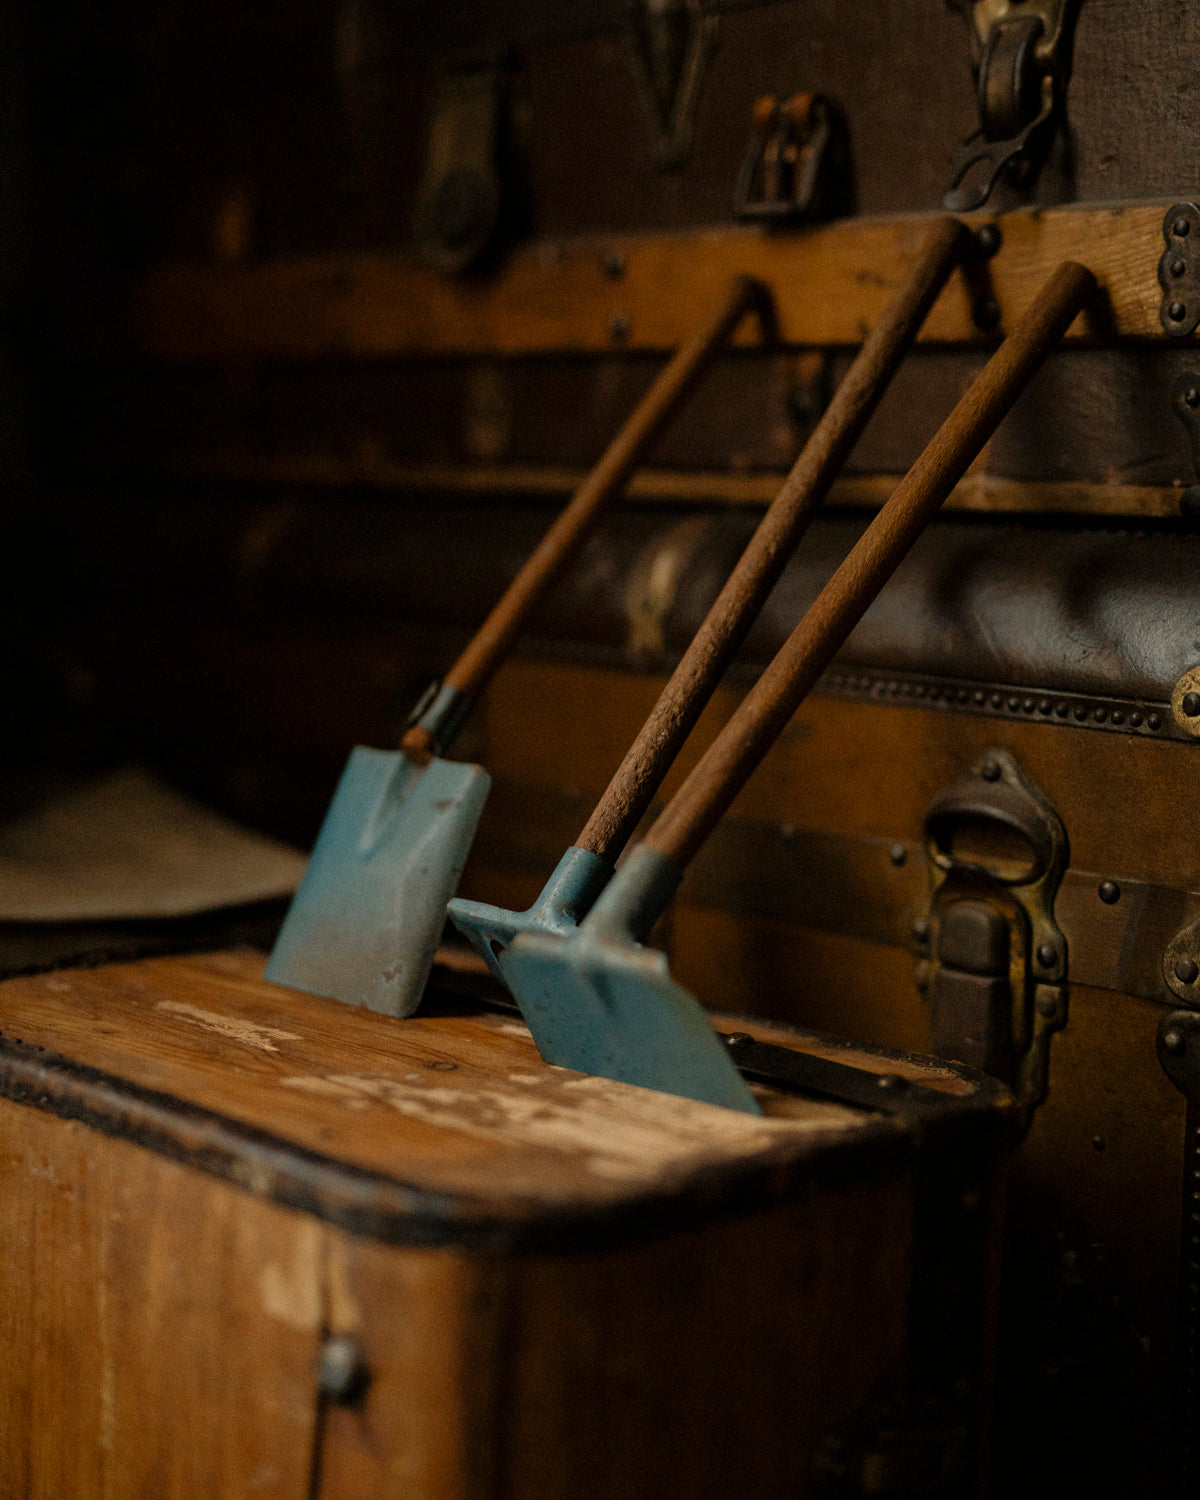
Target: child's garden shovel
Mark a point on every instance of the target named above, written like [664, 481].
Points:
[597, 1000]
[365, 923]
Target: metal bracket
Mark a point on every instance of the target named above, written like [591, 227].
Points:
[1181, 964]
[1179, 270]
[1021, 58]
[997, 959]
[672, 42]
[1178, 1043]
[790, 170]
[459, 205]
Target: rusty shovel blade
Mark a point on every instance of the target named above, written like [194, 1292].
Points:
[365, 923]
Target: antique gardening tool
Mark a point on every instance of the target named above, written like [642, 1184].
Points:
[365, 923]
[597, 1000]
[585, 868]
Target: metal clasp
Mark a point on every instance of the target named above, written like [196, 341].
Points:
[997, 960]
[791, 167]
[1021, 57]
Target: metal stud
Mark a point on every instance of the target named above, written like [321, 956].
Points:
[1109, 892]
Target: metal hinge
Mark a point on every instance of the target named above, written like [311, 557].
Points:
[994, 964]
[1021, 57]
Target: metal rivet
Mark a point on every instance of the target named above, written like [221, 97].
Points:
[1180, 227]
[1080, 712]
[342, 1373]
[891, 1083]
[1155, 721]
[614, 265]
[1014, 704]
[1062, 710]
[738, 1038]
[1047, 1007]
[618, 326]
[1191, 704]
[1109, 892]
[1028, 705]
[1098, 1142]
[1117, 716]
[997, 700]
[1177, 312]
[987, 240]
[920, 930]
[987, 314]
[1044, 706]
[989, 770]
[1178, 267]
[897, 854]
[1047, 955]
[1100, 715]
[1174, 1042]
[1187, 971]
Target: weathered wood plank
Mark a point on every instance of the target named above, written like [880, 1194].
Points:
[830, 284]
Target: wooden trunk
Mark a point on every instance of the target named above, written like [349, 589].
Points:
[550, 1285]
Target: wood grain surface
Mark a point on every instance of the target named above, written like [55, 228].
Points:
[830, 285]
[449, 1118]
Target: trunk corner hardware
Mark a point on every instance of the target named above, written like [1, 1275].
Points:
[1185, 393]
[671, 42]
[1021, 58]
[1185, 702]
[1178, 1043]
[994, 961]
[795, 167]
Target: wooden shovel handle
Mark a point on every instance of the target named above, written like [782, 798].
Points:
[495, 637]
[724, 768]
[736, 608]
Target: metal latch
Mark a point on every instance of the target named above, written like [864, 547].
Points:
[1021, 58]
[996, 959]
[460, 202]
[671, 43]
[794, 167]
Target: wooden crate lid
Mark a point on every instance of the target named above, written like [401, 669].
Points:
[446, 1128]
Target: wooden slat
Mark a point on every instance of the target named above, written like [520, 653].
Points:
[830, 283]
[977, 491]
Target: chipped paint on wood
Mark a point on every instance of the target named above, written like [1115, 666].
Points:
[247, 1033]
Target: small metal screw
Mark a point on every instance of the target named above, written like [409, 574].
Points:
[1177, 312]
[1109, 892]
[920, 930]
[987, 240]
[1174, 1042]
[1180, 227]
[614, 265]
[618, 326]
[342, 1373]
[898, 854]
[989, 770]
[1047, 954]
[891, 1083]
[986, 314]
[1191, 704]
[1187, 971]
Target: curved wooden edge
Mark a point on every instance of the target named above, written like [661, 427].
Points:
[830, 285]
[385, 1208]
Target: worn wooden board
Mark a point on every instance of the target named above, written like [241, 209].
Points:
[829, 284]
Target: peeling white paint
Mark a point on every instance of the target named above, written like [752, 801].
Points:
[247, 1033]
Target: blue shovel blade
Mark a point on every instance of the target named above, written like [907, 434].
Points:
[365, 923]
[612, 1009]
